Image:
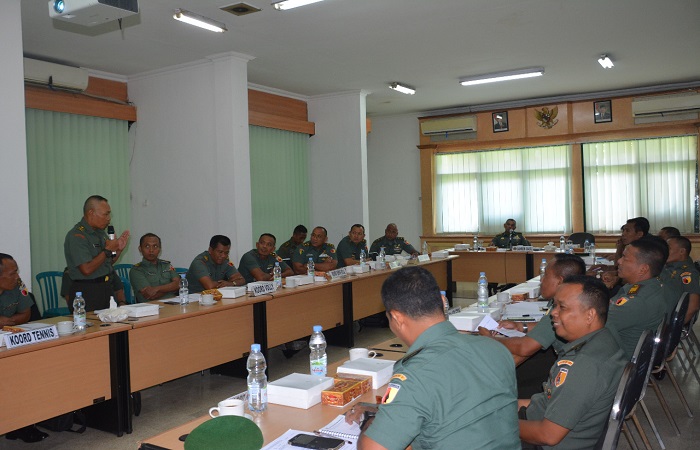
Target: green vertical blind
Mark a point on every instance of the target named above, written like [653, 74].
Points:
[279, 181]
[69, 158]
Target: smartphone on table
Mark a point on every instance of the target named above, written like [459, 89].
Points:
[316, 442]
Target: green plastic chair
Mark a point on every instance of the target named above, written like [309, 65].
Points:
[49, 286]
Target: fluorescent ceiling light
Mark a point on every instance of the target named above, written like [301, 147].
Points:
[606, 62]
[199, 21]
[402, 88]
[502, 76]
[289, 4]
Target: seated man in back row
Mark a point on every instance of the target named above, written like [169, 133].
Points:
[212, 268]
[681, 275]
[258, 264]
[393, 243]
[153, 278]
[317, 249]
[351, 246]
[289, 248]
[509, 237]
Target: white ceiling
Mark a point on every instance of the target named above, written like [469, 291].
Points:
[342, 45]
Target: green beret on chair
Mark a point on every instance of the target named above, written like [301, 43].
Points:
[225, 433]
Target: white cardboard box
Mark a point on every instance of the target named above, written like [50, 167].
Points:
[142, 309]
[233, 292]
[298, 390]
[299, 280]
[380, 370]
[439, 254]
[466, 321]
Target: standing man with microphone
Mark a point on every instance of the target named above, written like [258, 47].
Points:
[90, 252]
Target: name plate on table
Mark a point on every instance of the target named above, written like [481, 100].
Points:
[31, 337]
[523, 248]
[394, 265]
[338, 273]
[423, 258]
[263, 288]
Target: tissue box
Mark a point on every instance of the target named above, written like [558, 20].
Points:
[142, 310]
[298, 390]
[379, 369]
[233, 292]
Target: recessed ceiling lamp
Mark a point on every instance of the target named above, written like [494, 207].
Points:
[199, 21]
[606, 62]
[402, 88]
[502, 76]
[289, 4]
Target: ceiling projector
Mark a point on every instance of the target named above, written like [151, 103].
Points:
[92, 12]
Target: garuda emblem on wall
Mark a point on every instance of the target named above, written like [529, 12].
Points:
[547, 118]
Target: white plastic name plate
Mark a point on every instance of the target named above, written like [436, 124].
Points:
[31, 337]
[423, 258]
[263, 288]
[338, 273]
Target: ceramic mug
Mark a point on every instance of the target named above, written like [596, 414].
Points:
[228, 407]
[207, 299]
[356, 353]
[65, 327]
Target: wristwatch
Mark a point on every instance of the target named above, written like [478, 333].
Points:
[525, 328]
[108, 253]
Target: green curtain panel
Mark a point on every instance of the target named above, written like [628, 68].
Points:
[279, 181]
[69, 158]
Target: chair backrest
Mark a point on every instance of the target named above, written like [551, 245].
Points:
[49, 288]
[658, 350]
[181, 270]
[128, 295]
[675, 325]
[608, 441]
[34, 314]
[642, 358]
[123, 270]
[581, 238]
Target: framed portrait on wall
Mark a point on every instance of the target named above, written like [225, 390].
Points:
[500, 121]
[602, 111]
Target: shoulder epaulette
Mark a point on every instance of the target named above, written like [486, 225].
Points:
[377, 240]
[406, 358]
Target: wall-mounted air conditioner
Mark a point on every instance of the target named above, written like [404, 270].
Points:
[665, 105]
[448, 125]
[55, 75]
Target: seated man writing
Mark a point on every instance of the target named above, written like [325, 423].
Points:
[575, 405]
[451, 390]
[153, 278]
[257, 264]
[212, 268]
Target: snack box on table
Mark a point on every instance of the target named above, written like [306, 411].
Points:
[346, 389]
[142, 309]
[233, 291]
[298, 390]
[380, 370]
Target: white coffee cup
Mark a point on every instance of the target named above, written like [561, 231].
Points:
[65, 327]
[228, 407]
[356, 353]
[207, 299]
[503, 297]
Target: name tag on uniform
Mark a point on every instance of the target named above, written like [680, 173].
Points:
[31, 337]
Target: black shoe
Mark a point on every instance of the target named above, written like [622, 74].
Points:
[28, 434]
[660, 375]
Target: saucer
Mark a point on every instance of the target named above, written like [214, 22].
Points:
[66, 333]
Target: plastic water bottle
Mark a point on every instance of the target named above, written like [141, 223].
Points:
[79, 312]
[482, 293]
[311, 268]
[425, 248]
[562, 244]
[277, 275]
[363, 258]
[184, 290]
[591, 252]
[257, 380]
[543, 268]
[586, 246]
[382, 257]
[476, 242]
[318, 359]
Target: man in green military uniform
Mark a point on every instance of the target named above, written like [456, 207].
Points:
[212, 269]
[350, 247]
[257, 264]
[90, 253]
[287, 250]
[15, 303]
[393, 243]
[153, 278]
[681, 275]
[509, 237]
[572, 411]
[322, 253]
[428, 404]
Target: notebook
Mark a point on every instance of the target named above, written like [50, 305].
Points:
[341, 429]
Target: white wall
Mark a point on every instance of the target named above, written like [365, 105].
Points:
[394, 177]
[14, 201]
[190, 171]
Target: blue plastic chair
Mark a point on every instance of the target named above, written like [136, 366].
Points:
[128, 295]
[123, 270]
[181, 270]
[50, 294]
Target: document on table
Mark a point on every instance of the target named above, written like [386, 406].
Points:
[282, 442]
[491, 325]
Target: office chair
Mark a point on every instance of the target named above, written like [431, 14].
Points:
[50, 294]
[581, 238]
[611, 435]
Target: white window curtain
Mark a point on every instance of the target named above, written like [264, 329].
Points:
[654, 178]
[479, 191]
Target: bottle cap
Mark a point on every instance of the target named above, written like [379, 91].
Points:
[78, 294]
[255, 347]
[482, 274]
[544, 260]
[443, 293]
[182, 275]
[317, 328]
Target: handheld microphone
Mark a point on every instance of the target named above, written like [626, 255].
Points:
[110, 234]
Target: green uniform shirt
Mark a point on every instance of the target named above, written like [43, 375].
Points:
[394, 247]
[287, 250]
[203, 266]
[81, 245]
[544, 334]
[504, 240]
[321, 254]
[450, 391]
[145, 274]
[581, 388]
[252, 260]
[680, 276]
[15, 301]
[635, 308]
[348, 249]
